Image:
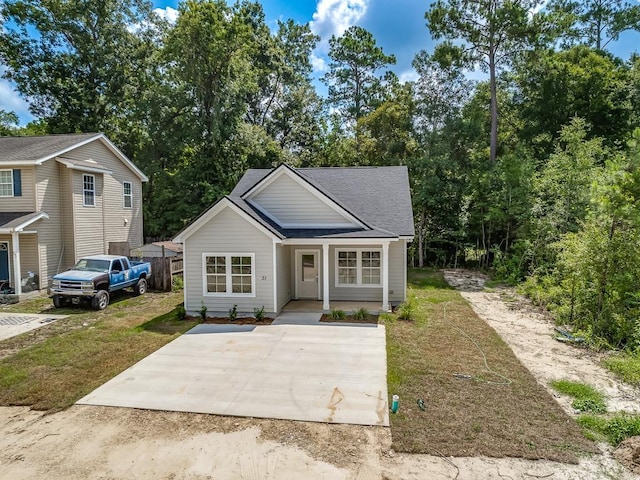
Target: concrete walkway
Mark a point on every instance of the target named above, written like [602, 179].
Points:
[311, 372]
[12, 324]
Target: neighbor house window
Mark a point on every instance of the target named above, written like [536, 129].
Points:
[6, 183]
[127, 192]
[358, 267]
[89, 190]
[229, 274]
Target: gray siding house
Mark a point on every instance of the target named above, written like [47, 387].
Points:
[329, 234]
[63, 197]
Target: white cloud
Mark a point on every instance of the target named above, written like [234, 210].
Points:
[333, 17]
[318, 63]
[169, 14]
[537, 8]
[408, 76]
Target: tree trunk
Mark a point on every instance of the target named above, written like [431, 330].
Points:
[421, 239]
[493, 152]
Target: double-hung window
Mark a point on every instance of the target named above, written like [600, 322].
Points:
[358, 267]
[127, 194]
[229, 274]
[89, 190]
[6, 183]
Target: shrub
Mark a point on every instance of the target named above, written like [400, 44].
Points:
[407, 310]
[177, 283]
[233, 313]
[361, 314]
[203, 312]
[258, 313]
[337, 314]
[181, 312]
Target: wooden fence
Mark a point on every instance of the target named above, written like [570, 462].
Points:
[163, 270]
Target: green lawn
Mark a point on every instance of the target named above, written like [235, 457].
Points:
[54, 366]
[470, 410]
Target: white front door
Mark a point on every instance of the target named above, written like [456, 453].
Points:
[307, 274]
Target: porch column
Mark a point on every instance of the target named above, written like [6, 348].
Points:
[17, 276]
[385, 277]
[325, 276]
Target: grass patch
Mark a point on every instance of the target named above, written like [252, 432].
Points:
[585, 397]
[58, 364]
[613, 429]
[469, 410]
[626, 366]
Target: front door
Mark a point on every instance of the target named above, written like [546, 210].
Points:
[4, 261]
[307, 276]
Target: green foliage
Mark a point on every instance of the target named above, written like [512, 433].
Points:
[203, 311]
[361, 314]
[181, 312]
[615, 428]
[585, 397]
[626, 366]
[233, 312]
[258, 313]
[337, 314]
[407, 309]
[177, 283]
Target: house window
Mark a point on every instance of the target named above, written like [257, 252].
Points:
[6, 183]
[89, 190]
[127, 192]
[358, 268]
[231, 275]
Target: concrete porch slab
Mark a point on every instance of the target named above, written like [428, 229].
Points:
[13, 324]
[334, 374]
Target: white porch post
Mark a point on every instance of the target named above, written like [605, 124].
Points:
[385, 277]
[17, 276]
[325, 276]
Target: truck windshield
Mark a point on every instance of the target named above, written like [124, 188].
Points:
[88, 265]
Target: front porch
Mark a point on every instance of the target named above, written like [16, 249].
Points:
[349, 307]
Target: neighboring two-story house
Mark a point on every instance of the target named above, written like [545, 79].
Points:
[63, 197]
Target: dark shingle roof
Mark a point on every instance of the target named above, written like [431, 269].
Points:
[14, 219]
[379, 196]
[21, 149]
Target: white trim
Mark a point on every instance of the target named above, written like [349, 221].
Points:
[17, 274]
[184, 277]
[215, 210]
[358, 283]
[404, 262]
[124, 195]
[325, 277]
[10, 170]
[19, 228]
[275, 277]
[84, 190]
[408, 238]
[298, 259]
[228, 275]
[41, 160]
[337, 241]
[285, 170]
[385, 276]
[83, 168]
[8, 244]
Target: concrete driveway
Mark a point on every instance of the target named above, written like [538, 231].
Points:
[319, 373]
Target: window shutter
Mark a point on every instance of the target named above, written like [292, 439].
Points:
[17, 183]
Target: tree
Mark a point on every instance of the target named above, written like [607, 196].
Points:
[595, 23]
[492, 33]
[80, 63]
[354, 86]
[8, 122]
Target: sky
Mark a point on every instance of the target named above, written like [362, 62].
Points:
[397, 25]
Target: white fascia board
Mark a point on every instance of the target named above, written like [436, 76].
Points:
[338, 241]
[215, 210]
[408, 238]
[22, 226]
[83, 168]
[284, 170]
[19, 163]
[116, 151]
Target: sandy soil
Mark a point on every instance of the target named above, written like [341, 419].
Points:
[87, 442]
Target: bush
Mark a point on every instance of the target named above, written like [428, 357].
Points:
[407, 310]
[258, 313]
[177, 284]
[203, 312]
[181, 312]
[361, 314]
[337, 314]
[233, 313]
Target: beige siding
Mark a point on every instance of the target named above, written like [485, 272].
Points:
[26, 202]
[67, 211]
[290, 203]
[228, 233]
[28, 255]
[89, 224]
[283, 266]
[120, 224]
[370, 294]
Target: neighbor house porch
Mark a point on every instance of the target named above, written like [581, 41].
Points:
[312, 306]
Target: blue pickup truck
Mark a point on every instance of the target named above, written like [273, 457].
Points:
[95, 277]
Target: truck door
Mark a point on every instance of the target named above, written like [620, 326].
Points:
[116, 275]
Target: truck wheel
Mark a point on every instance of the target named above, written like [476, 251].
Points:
[141, 287]
[59, 301]
[100, 301]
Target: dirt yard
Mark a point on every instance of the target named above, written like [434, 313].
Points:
[111, 443]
